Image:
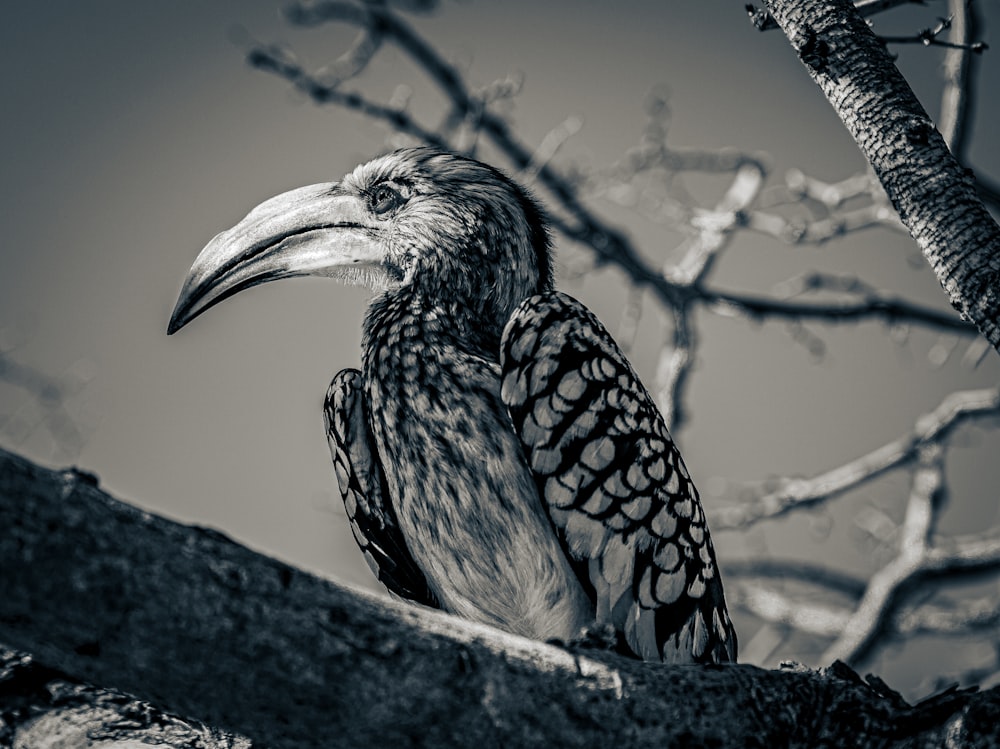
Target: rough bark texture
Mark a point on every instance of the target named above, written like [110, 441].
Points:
[934, 195]
[41, 708]
[200, 626]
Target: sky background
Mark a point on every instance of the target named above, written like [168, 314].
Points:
[134, 132]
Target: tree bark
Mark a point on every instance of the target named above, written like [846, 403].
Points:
[202, 627]
[41, 708]
[935, 196]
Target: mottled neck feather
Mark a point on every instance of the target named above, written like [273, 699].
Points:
[404, 319]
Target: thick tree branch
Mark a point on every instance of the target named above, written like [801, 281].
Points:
[935, 196]
[42, 707]
[205, 628]
[764, 22]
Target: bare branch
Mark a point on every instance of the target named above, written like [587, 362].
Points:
[675, 365]
[49, 394]
[887, 309]
[802, 571]
[929, 37]
[815, 618]
[932, 428]
[43, 707]
[964, 554]
[959, 79]
[879, 614]
[827, 620]
[628, 324]
[549, 147]
[956, 620]
[279, 62]
[715, 227]
[834, 221]
[881, 597]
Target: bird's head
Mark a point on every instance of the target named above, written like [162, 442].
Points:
[449, 228]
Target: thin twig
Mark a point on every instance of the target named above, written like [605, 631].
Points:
[955, 619]
[930, 37]
[273, 60]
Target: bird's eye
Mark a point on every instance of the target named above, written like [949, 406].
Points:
[384, 199]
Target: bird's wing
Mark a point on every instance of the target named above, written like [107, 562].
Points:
[614, 483]
[362, 486]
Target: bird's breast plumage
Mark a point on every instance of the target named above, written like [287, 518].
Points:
[466, 500]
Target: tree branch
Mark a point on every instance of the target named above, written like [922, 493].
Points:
[794, 493]
[827, 620]
[935, 196]
[49, 394]
[930, 37]
[796, 569]
[181, 615]
[881, 596]
[274, 60]
[43, 707]
[764, 22]
[873, 307]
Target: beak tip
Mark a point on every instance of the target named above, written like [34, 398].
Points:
[178, 319]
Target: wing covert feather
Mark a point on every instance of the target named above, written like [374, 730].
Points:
[614, 484]
[363, 489]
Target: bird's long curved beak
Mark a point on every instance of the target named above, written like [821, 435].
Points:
[314, 230]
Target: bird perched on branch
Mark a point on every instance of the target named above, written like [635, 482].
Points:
[497, 455]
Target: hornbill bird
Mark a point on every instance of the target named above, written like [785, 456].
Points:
[497, 454]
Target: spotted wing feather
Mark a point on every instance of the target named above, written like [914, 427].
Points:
[614, 483]
[362, 486]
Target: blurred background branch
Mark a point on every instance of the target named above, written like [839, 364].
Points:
[43, 409]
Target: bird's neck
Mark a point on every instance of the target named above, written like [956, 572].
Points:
[408, 322]
[420, 356]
